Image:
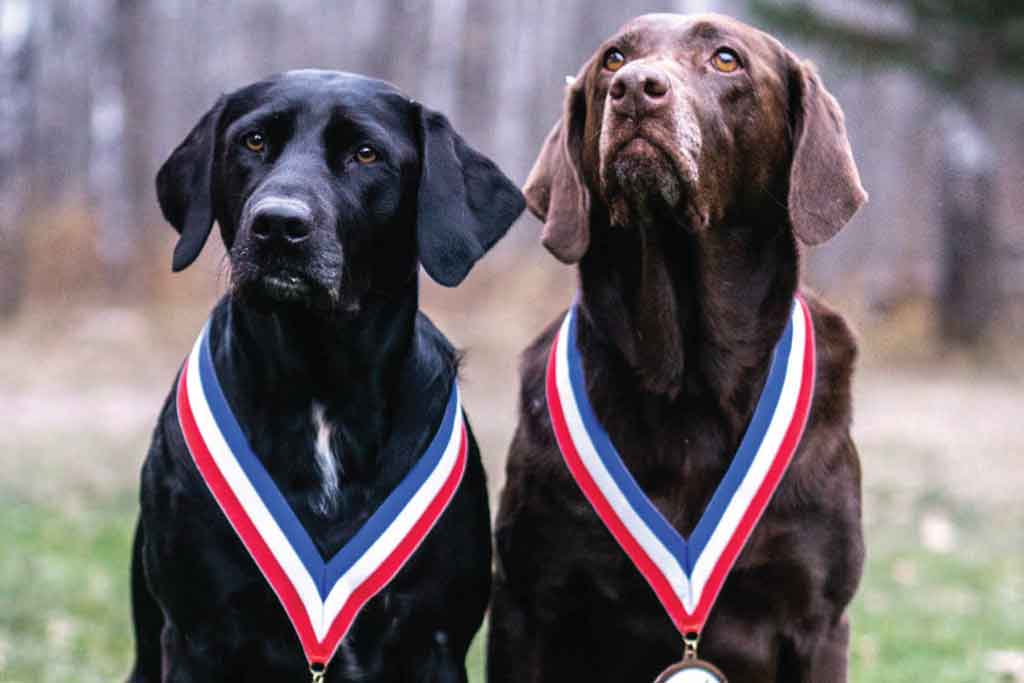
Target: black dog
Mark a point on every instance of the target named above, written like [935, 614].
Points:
[329, 189]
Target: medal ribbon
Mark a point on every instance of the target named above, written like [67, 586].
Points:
[685, 574]
[322, 598]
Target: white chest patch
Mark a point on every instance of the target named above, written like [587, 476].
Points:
[325, 461]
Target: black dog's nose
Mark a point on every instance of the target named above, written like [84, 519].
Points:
[286, 220]
[638, 90]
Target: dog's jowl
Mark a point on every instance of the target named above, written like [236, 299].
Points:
[682, 484]
[313, 502]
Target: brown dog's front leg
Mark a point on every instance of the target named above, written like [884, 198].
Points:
[824, 659]
[512, 650]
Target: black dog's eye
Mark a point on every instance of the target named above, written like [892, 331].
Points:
[614, 59]
[254, 141]
[725, 60]
[366, 155]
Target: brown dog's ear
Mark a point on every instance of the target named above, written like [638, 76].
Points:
[555, 191]
[824, 186]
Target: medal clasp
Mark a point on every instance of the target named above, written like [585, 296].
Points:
[690, 642]
[317, 670]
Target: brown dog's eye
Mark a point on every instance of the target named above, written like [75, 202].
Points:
[725, 60]
[254, 141]
[614, 60]
[366, 155]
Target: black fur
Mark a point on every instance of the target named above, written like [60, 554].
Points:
[332, 319]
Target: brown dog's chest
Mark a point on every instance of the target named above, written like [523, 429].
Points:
[587, 577]
[678, 458]
[677, 454]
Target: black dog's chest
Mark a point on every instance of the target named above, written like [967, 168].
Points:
[201, 570]
[307, 465]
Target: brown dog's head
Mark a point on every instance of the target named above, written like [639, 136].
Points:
[697, 118]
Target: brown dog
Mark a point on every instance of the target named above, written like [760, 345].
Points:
[694, 157]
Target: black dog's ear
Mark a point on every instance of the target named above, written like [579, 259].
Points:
[465, 203]
[555, 191]
[184, 187]
[824, 185]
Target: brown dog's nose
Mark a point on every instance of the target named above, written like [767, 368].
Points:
[639, 90]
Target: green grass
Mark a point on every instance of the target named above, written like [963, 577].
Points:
[64, 591]
[937, 615]
[921, 615]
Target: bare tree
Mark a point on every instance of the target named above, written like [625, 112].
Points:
[116, 244]
[16, 70]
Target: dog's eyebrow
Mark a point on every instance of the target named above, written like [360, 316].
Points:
[344, 122]
[267, 113]
[626, 40]
[707, 30]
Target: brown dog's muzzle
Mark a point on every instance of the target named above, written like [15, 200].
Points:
[639, 91]
[649, 144]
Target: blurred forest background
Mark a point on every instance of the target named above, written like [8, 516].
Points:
[94, 94]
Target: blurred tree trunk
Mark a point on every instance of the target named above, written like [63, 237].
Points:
[108, 179]
[476, 87]
[969, 270]
[16, 71]
[135, 45]
[398, 56]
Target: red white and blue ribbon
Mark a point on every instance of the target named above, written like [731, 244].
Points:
[321, 597]
[685, 574]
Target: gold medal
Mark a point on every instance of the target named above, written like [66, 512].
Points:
[691, 669]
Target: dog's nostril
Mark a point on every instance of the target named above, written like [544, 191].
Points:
[655, 86]
[261, 228]
[271, 225]
[296, 230]
[618, 89]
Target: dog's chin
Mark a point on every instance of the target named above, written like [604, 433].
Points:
[644, 184]
[284, 290]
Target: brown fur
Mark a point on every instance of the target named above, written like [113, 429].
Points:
[685, 212]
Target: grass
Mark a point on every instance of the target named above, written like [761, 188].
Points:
[942, 594]
[64, 591]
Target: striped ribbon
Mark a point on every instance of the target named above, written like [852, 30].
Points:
[322, 597]
[685, 574]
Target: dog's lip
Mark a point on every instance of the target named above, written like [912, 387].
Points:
[286, 284]
[636, 140]
[673, 156]
[641, 136]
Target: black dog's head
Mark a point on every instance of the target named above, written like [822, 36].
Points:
[327, 186]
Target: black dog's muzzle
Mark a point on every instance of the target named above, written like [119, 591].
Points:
[284, 252]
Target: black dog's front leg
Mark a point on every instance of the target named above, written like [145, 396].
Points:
[190, 659]
[148, 618]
